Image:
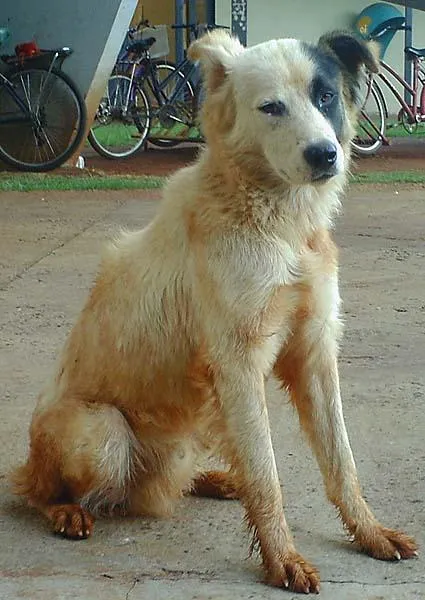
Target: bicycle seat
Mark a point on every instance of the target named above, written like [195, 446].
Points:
[141, 45]
[411, 51]
[65, 51]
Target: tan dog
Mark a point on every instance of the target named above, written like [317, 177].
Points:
[235, 278]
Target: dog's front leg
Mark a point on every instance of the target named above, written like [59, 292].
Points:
[308, 368]
[242, 397]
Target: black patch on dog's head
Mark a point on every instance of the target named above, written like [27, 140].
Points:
[351, 54]
[326, 80]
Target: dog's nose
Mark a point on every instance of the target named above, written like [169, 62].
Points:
[321, 157]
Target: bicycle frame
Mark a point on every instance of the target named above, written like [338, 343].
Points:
[131, 89]
[412, 111]
[7, 119]
[158, 88]
[185, 78]
[418, 78]
[142, 70]
[54, 56]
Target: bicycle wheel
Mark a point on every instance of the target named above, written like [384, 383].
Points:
[56, 123]
[409, 125]
[122, 119]
[371, 120]
[182, 108]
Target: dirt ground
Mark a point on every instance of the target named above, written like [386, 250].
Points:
[49, 251]
[404, 154]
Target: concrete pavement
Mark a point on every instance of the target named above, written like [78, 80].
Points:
[49, 249]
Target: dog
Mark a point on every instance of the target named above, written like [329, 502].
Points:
[235, 280]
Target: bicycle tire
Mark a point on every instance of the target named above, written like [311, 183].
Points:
[120, 128]
[371, 123]
[61, 111]
[188, 92]
[409, 126]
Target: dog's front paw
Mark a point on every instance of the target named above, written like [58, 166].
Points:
[295, 574]
[386, 544]
[71, 521]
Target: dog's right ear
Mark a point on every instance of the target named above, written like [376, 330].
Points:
[351, 52]
[216, 51]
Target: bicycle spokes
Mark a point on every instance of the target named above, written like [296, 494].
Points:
[51, 123]
[122, 119]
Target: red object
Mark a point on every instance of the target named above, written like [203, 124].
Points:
[27, 49]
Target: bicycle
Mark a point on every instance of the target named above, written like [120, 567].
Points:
[122, 120]
[175, 95]
[42, 113]
[159, 100]
[374, 112]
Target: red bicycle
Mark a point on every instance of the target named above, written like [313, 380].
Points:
[374, 112]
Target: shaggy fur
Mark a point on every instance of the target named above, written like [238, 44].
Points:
[235, 278]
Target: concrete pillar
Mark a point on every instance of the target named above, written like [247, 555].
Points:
[106, 59]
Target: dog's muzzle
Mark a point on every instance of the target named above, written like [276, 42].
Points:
[321, 157]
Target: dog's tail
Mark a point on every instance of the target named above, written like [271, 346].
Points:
[21, 480]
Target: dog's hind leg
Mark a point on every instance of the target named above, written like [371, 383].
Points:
[81, 460]
[308, 368]
[215, 484]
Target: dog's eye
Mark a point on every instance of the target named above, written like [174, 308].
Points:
[326, 98]
[274, 109]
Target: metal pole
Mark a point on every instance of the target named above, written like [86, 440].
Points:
[193, 18]
[408, 38]
[210, 12]
[179, 32]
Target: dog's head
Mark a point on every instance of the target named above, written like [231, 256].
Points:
[284, 108]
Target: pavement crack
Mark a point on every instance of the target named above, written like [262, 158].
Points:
[71, 238]
[371, 584]
[133, 585]
[164, 574]
[392, 238]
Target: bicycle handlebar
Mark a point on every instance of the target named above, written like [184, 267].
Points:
[380, 32]
[194, 26]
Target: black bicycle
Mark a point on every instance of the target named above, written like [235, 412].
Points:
[42, 113]
[175, 95]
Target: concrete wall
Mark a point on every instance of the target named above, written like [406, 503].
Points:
[308, 19]
[223, 12]
[83, 25]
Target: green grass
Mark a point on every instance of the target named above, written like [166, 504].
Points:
[389, 177]
[394, 129]
[117, 135]
[121, 137]
[30, 182]
[397, 130]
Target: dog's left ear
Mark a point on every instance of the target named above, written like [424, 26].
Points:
[216, 52]
[351, 52]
